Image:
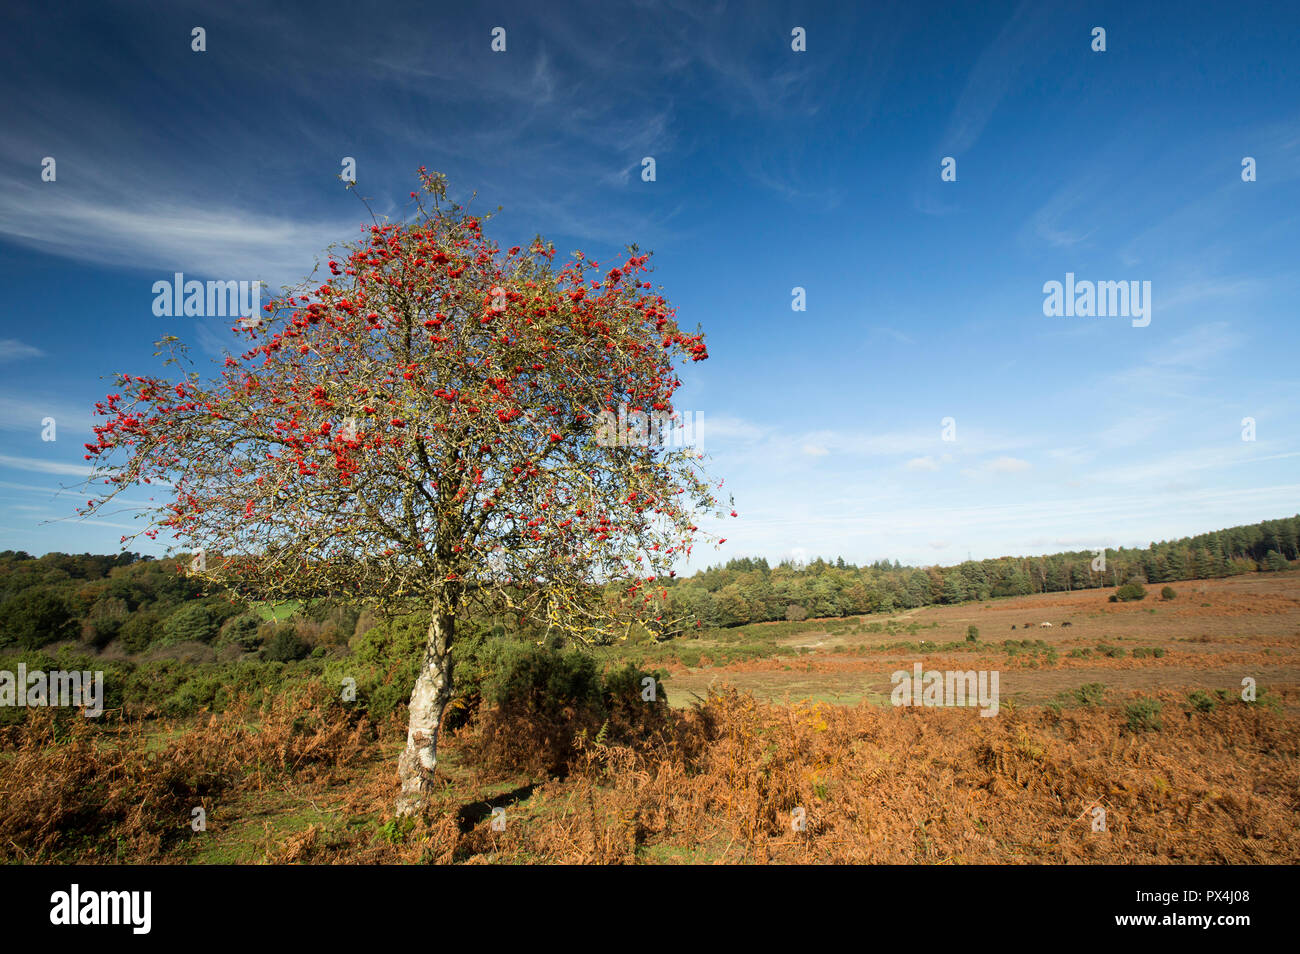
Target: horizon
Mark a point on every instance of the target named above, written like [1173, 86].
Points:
[799, 564]
[923, 405]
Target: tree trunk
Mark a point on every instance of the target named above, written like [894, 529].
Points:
[429, 698]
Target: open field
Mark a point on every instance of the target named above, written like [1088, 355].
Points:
[1183, 772]
[1214, 633]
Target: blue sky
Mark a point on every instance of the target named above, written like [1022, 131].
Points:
[775, 169]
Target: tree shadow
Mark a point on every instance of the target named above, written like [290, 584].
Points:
[473, 813]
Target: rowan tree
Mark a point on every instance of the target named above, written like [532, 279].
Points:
[423, 430]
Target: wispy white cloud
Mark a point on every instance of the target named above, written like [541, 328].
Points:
[1173, 468]
[44, 466]
[140, 229]
[1174, 371]
[999, 465]
[13, 350]
[24, 413]
[1008, 465]
[1064, 221]
[37, 489]
[719, 428]
[900, 529]
[929, 204]
[995, 74]
[94, 522]
[882, 331]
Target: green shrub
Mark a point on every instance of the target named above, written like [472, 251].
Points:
[285, 646]
[139, 631]
[386, 659]
[1090, 694]
[1131, 591]
[166, 687]
[1168, 593]
[104, 621]
[1202, 701]
[240, 631]
[972, 633]
[191, 622]
[211, 687]
[35, 617]
[543, 702]
[689, 657]
[1143, 715]
[1267, 700]
[542, 680]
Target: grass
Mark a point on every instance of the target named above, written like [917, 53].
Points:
[242, 829]
[279, 612]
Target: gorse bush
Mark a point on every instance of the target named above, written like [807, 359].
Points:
[136, 690]
[542, 705]
[384, 663]
[1131, 591]
[542, 681]
[386, 659]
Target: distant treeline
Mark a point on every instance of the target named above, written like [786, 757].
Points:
[137, 603]
[749, 590]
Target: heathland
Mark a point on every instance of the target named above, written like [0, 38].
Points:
[1169, 713]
